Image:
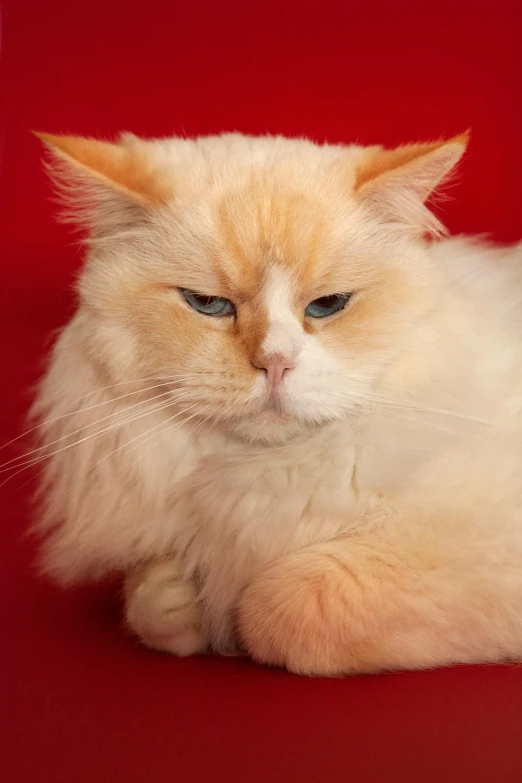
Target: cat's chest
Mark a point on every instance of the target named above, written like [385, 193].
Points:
[241, 514]
[269, 504]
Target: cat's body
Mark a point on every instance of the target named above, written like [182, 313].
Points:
[355, 508]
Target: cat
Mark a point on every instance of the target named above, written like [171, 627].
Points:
[288, 408]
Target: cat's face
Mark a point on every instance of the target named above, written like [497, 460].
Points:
[270, 281]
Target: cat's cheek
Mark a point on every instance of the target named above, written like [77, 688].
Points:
[113, 346]
[316, 387]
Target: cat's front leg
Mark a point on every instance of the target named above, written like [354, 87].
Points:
[162, 609]
[363, 604]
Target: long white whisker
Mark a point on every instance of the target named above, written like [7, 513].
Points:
[141, 435]
[412, 405]
[105, 402]
[85, 426]
[387, 413]
[178, 424]
[395, 417]
[43, 458]
[116, 425]
[156, 434]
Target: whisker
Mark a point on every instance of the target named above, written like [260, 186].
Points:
[173, 399]
[46, 422]
[91, 424]
[80, 429]
[116, 425]
[413, 405]
[141, 435]
[43, 458]
[386, 412]
[156, 434]
[391, 417]
[178, 424]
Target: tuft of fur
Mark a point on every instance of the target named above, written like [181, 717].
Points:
[363, 515]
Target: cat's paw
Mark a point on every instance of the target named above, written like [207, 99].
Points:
[161, 608]
[303, 613]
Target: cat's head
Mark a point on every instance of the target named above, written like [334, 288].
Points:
[270, 280]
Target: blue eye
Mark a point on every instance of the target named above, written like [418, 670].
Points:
[209, 305]
[327, 305]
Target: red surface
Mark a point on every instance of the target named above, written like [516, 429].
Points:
[80, 703]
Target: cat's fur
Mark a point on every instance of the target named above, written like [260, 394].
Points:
[368, 516]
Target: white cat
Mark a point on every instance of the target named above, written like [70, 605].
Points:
[287, 409]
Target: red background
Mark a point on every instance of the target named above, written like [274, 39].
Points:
[79, 701]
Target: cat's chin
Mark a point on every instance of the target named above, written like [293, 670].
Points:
[271, 428]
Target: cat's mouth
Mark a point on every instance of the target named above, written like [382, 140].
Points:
[276, 404]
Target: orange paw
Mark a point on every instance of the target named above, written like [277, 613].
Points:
[303, 613]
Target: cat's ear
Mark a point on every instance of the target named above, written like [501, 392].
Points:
[397, 183]
[103, 184]
[125, 167]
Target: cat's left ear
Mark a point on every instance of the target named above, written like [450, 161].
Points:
[126, 168]
[397, 183]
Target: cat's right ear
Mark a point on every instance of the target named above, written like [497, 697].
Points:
[397, 183]
[103, 184]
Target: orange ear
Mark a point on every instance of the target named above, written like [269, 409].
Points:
[395, 184]
[417, 167]
[128, 169]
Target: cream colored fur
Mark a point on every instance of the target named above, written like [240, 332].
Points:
[374, 519]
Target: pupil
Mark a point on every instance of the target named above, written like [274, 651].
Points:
[327, 301]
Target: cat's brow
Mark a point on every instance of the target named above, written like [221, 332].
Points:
[267, 223]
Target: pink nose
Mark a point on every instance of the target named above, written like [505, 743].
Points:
[275, 367]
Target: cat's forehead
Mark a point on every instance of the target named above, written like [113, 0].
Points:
[260, 219]
[266, 224]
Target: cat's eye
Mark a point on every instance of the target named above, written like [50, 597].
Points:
[208, 305]
[327, 305]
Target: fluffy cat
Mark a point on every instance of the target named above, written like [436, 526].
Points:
[287, 408]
